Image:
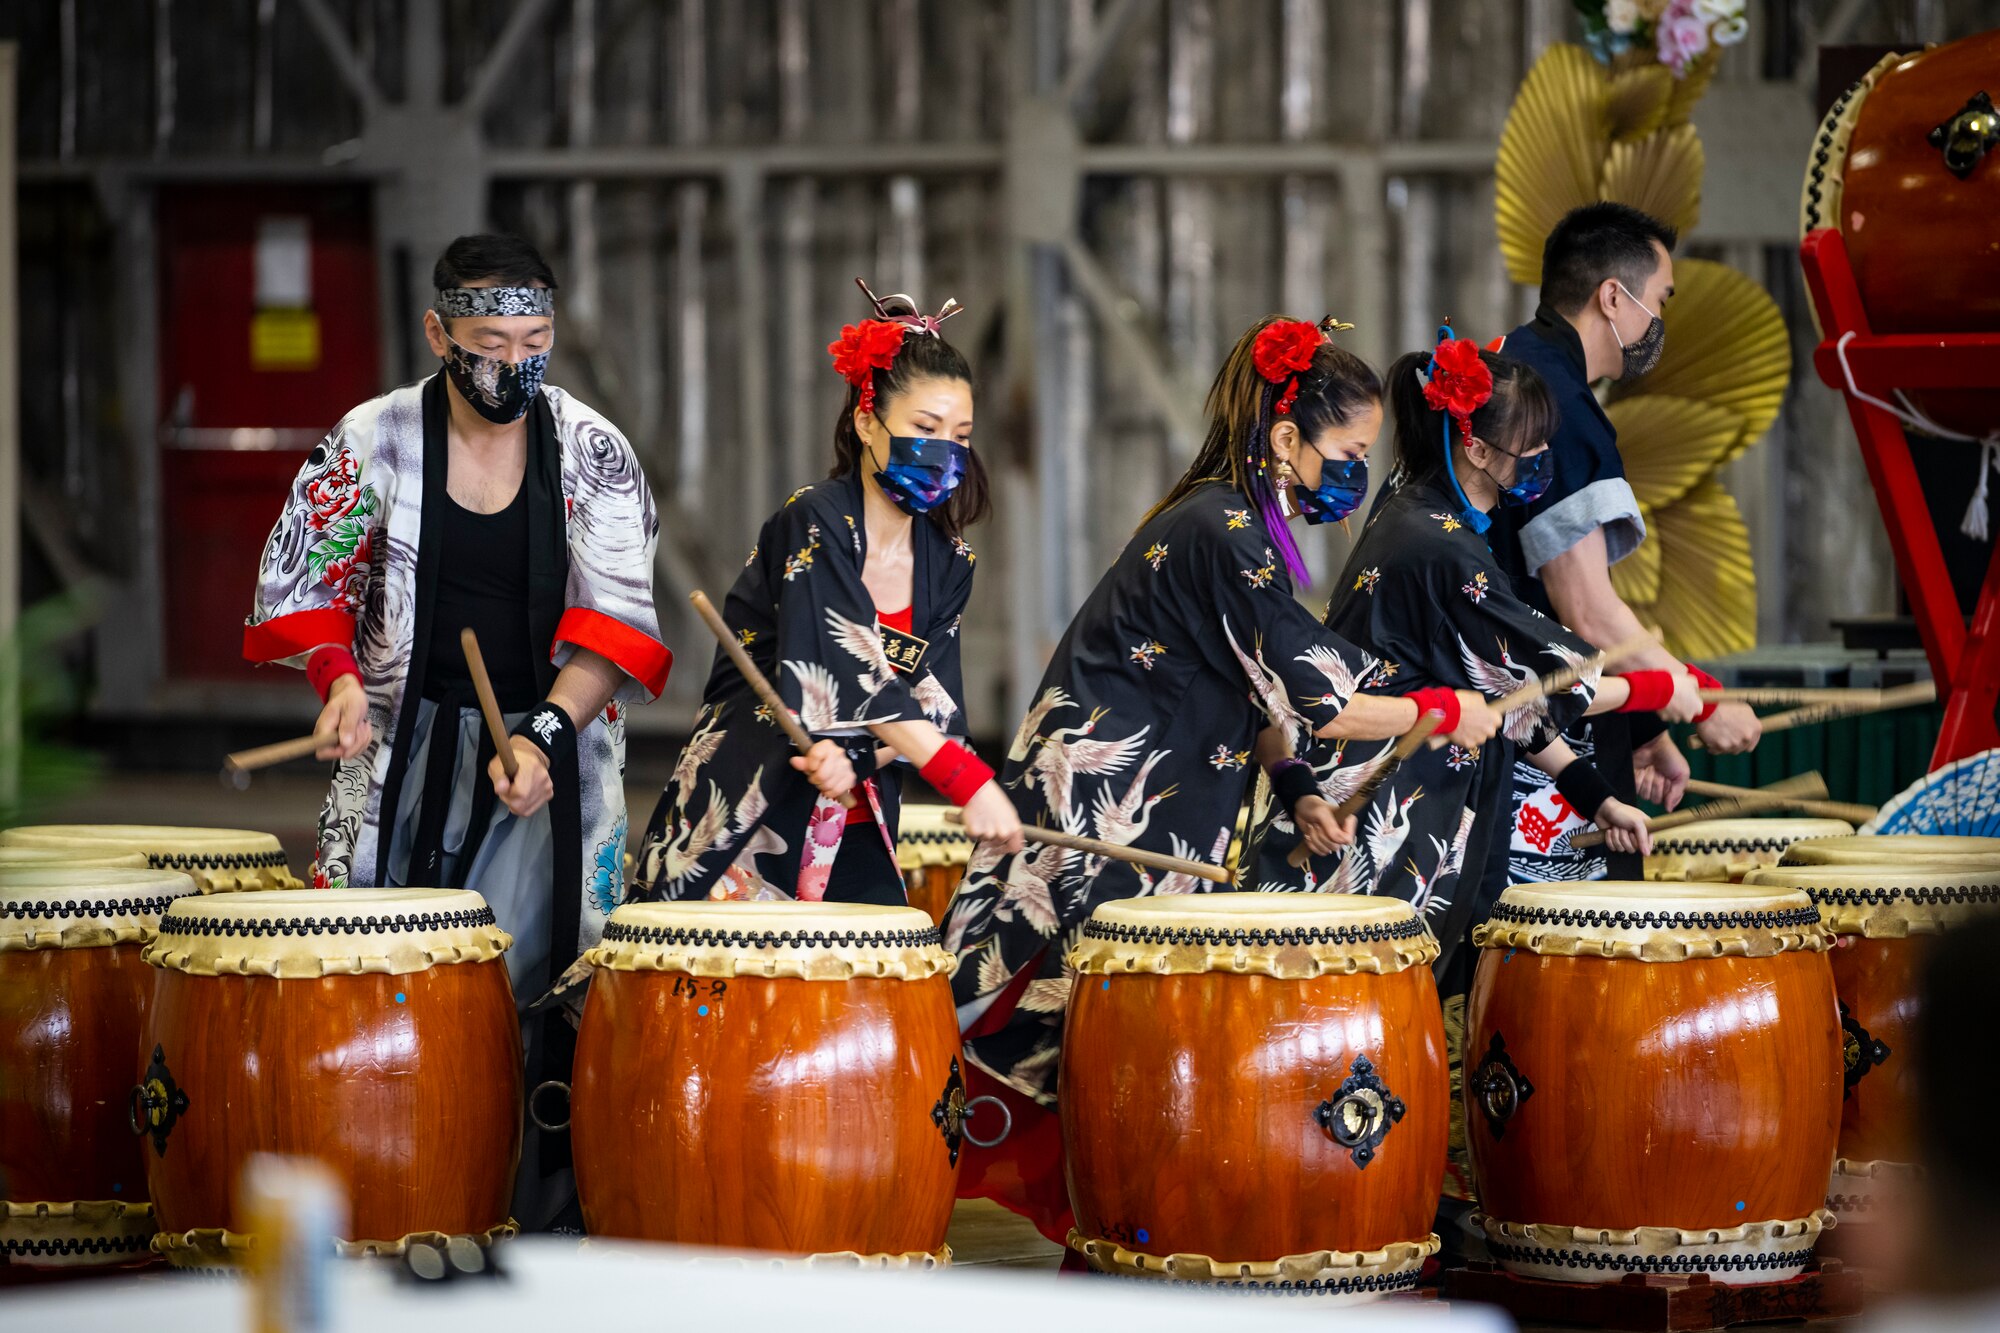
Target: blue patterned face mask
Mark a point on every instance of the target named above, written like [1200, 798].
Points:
[1343, 485]
[922, 472]
[498, 390]
[1532, 475]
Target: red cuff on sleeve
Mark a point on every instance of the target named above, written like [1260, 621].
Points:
[328, 664]
[1651, 691]
[956, 773]
[1704, 681]
[640, 656]
[1444, 702]
[281, 637]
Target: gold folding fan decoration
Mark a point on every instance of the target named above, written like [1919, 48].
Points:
[1580, 131]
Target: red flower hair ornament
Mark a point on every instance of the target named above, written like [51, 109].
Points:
[1459, 383]
[864, 348]
[1282, 350]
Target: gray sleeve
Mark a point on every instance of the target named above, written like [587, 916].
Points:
[1607, 504]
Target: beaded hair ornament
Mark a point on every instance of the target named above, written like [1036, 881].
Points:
[1457, 383]
[1283, 355]
[864, 348]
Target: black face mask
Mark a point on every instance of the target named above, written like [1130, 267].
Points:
[1643, 353]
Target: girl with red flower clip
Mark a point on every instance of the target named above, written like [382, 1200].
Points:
[850, 604]
[1190, 662]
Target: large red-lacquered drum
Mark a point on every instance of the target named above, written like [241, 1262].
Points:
[371, 1029]
[773, 1076]
[1254, 1092]
[1654, 1083]
[74, 993]
[1903, 166]
[1882, 916]
[221, 860]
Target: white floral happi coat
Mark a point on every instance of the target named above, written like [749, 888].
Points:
[341, 567]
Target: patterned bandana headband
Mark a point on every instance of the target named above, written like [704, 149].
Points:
[462, 302]
[864, 348]
[1458, 383]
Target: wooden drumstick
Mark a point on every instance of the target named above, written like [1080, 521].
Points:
[1559, 680]
[1407, 744]
[748, 669]
[1816, 806]
[1808, 786]
[1785, 696]
[237, 767]
[1092, 847]
[496, 725]
[1902, 696]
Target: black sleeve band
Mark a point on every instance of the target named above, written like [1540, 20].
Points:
[862, 754]
[1645, 727]
[1292, 781]
[1584, 788]
[543, 724]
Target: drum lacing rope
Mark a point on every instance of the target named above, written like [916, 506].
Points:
[1917, 894]
[704, 937]
[112, 907]
[1565, 916]
[1974, 524]
[1119, 932]
[360, 925]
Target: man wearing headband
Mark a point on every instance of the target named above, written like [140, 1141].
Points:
[1607, 272]
[479, 498]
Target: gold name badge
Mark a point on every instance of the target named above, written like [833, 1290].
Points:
[905, 651]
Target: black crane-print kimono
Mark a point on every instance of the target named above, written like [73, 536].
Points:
[1141, 734]
[1423, 592]
[735, 809]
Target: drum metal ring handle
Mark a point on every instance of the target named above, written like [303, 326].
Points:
[535, 1115]
[140, 1108]
[1361, 1112]
[1006, 1122]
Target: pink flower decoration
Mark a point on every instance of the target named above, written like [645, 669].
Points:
[1681, 35]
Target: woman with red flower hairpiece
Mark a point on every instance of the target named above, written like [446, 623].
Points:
[850, 603]
[1422, 589]
[1189, 659]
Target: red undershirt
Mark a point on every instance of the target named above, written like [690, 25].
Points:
[863, 813]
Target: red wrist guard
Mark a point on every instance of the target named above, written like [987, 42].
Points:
[1437, 699]
[956, 772]
[1651, 691]
[1704, 681]
[329, 663]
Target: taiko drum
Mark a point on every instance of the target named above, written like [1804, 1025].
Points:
[221, 860]
[1725, 850]
[1654, 1081]
[1882, 916]
[1906, 165]
[932, 853]
[373, 1030]
[1254, 1091]
[74, 993]
[775, 1076]
[1897, 849]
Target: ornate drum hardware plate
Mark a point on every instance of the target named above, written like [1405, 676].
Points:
[1498, 1088]
[954, 1109]
[1361, 1112]
[1859, 1052]
[157, 1103]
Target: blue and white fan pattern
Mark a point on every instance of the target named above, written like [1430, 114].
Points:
[1962, 797]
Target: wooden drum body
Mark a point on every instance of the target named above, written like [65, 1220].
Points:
[774, 1076]
[371, 1029]
[1728, 849]
[1653, 1081]
[932, 854]
[1916, 212]
[1254, 1091]
[74, 993]
[220, 860]
[1882, 917]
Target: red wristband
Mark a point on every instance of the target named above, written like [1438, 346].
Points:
[1437, 699]
[956, 772]
[1704, 681]
[1651, 691]
[327, 664]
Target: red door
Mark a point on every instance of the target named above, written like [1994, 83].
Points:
[268, 336]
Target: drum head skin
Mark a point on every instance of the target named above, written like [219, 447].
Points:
[69, 907]
[1271, 934]
[1890, 901]
[1659, 923]
[222, 860]
[814, 941]
[328, 932]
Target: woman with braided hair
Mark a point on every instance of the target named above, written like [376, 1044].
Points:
[1190, 657]
[850, 604]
